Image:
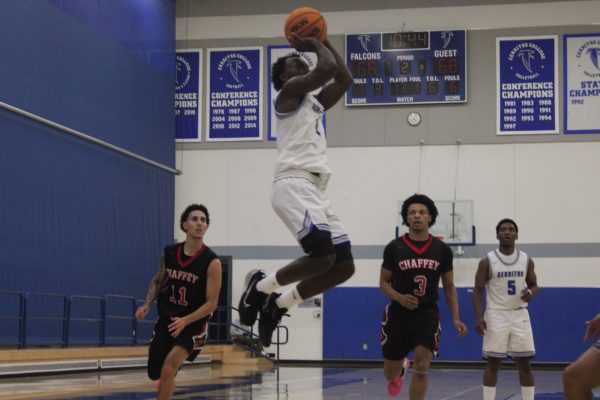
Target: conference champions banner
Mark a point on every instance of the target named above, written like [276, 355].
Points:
[234, 94]
[273, 53]
[527, 95]
[187, 95]
[582, 83]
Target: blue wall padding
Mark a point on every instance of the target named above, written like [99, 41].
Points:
[352, 318]
[74, 74]
[78, 218]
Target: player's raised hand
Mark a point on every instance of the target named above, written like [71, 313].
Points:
[303, 43]
[460, 327]
[141, 312]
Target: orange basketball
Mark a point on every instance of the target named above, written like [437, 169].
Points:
[306, 22]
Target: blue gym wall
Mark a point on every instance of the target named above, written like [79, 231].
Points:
[77, 218]
[352, 318]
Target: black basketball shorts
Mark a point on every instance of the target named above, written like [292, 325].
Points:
[402, 330]
[192, 338]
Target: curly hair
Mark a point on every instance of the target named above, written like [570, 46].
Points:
[507, 221]
[193, 207]
[419, 199]
[278, 68]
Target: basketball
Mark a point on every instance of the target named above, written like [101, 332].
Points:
[306, 22]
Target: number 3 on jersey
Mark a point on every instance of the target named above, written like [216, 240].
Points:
[182, 301]
[420, 280]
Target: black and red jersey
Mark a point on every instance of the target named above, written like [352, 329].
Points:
[417, 267]
[183, 289]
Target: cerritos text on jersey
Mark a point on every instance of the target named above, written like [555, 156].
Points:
[414, 263]
[182, 275]
[510, 274]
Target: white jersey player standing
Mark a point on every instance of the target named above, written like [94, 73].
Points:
[298, 193]
[508, 276]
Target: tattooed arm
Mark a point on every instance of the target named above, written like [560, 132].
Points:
[153, 290]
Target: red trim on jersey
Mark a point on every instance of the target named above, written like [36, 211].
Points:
[191, 259]
[414, 248]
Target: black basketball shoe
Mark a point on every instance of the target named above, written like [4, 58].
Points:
[252, 300]
[270, 316]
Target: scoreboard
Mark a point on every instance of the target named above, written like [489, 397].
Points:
[407, 67]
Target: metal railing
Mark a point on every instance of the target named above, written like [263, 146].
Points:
[56, 320]
[252, 339]
[6, 297]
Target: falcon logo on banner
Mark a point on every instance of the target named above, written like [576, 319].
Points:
[527, 74]
[234, 94]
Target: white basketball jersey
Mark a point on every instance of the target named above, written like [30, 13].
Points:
[301, 139]
[507, 275]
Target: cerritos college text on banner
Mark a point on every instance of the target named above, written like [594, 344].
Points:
[187, 95]
[273, 53]
[234, 94]
[582, 83]
[527, 74]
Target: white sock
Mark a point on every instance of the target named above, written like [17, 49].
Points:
[528, 392]
[268, 285]
[289, 298]
[489, 393]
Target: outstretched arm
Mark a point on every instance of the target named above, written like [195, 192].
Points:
[153, 290]
[341, 82]
[296, 87]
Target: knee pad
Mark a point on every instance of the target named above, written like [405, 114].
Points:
[343, 252]
[317, 243]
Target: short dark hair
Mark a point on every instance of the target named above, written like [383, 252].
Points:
[278, 68]
[193, 207]
[419, 199]
[506, 221]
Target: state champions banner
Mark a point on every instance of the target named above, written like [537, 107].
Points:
[234, 94]
[527, 94]
[582, 83]
[274, 52]
[187, 95]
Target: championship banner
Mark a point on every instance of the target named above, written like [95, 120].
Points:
[527, 96]
[273, 53]
[582, 83]
[187, 95]
[234, 94]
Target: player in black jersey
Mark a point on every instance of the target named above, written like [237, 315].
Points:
[410, 274]
[187, 286]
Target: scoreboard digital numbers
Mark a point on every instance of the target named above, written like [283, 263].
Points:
[407, 67]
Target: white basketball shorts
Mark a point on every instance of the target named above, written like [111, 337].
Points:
[508, 333]
[301, 205]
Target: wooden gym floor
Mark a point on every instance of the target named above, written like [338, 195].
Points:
[236, 376]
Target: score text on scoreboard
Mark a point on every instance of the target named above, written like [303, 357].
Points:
[407, 67]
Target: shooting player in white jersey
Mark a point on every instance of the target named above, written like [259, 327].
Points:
[298, 193]
[508, 276]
